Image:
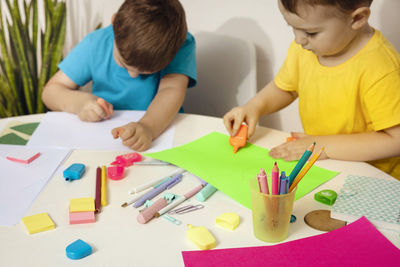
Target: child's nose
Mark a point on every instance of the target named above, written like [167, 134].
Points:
[300, 38]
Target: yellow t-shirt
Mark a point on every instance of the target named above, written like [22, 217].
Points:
[359, 95]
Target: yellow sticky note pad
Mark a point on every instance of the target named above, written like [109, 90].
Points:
[81, 204]
[38, 223]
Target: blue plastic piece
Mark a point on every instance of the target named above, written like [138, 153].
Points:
[78, 250]
[74, 172]
[292, 218]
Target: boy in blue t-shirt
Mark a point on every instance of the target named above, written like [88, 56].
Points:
[145, 60]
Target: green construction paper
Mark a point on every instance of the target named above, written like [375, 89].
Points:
[26, 128]
[212, 159]
[12, 139]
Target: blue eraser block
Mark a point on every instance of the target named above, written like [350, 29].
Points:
[74, 172]
[78, 250]
[205, 193]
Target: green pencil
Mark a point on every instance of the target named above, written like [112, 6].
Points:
[301, 163]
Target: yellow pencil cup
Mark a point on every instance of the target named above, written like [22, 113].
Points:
[271, 214]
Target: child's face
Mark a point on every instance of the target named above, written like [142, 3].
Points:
[133, 71]
[324, 30]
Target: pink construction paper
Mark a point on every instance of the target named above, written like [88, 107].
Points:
[357, 244]
[81, 217]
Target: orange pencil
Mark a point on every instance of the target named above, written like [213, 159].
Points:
[305, 169]
[240, 139]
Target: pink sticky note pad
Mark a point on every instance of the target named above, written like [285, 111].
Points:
[115, 172]
[25, 158]
[81, 217]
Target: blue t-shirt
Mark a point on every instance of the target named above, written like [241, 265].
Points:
[92, 60]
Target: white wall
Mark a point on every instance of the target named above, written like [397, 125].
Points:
[260, 22]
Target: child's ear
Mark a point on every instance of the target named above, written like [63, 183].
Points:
[113, 18]
[360, 17]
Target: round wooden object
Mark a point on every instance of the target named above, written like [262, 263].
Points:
[321, 220]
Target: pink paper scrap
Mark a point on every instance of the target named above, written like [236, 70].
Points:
[357, 244]
[26, 159]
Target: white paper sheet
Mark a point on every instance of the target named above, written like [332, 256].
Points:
[20, 183]
[67, 130]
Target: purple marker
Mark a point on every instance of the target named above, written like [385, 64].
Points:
[283, 184]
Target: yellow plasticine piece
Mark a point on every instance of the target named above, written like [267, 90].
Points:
[81, 204]
[201, 237]
[228, 220]
[38, 223]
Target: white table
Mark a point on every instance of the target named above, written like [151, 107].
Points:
[119, 240]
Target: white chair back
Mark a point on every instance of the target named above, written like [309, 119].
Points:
[226, 72]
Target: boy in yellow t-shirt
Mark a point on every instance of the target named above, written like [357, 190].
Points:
[347, 77]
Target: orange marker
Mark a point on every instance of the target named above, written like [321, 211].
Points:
[240, 139]
[103, 105]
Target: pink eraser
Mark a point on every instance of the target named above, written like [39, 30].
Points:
[115, 172]
[149, 213]
[81, 217]
[26, 159]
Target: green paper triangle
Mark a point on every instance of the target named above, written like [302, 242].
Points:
[26, 128]
[12, 139]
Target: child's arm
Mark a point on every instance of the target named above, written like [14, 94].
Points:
[61, 94]
[268, 100]
[162, 110]
[355, 147]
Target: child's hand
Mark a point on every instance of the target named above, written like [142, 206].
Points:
[134, 135]
[293, 150]
[92, 110]
[236, 116]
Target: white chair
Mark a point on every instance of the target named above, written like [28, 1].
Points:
[226, 72]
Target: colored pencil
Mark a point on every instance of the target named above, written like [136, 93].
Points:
[305, 169]
[275, 179]
[97, 202]
[103, 186]
[301, 163]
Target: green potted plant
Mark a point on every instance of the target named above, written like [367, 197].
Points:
[29, 55]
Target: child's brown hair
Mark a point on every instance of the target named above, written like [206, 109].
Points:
[344, 5]
[149, 33]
